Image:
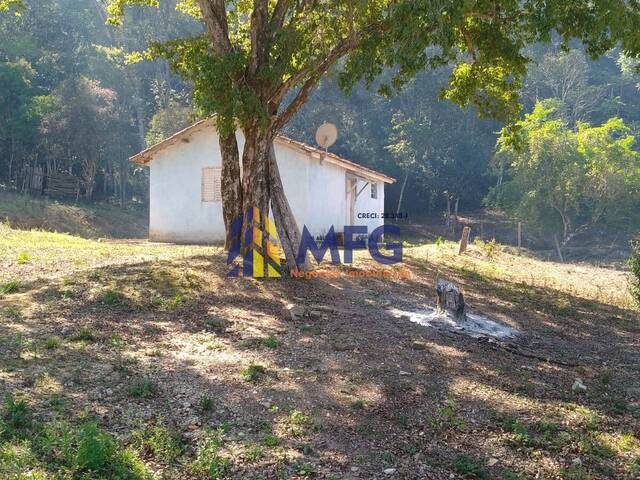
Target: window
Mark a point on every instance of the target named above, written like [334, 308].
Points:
[211, 184]
[374, 190]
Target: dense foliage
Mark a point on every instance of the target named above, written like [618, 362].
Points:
[567, 178]
[68, 102]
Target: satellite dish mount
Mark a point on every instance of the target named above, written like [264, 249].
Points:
[326, 135]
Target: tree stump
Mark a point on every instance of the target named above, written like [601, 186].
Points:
[450, 299]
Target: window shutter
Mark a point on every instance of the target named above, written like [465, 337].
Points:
[212, 184]
[374, 190]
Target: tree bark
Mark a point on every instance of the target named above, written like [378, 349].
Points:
[286, 224]
[231, 185]
[255, 156]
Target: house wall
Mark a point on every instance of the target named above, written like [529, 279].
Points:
[316, 192]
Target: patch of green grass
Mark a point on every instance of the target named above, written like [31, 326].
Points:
[209, 461]
[446, 417]
[253, 373]
[159, 442]
[575, 473]
[511, 475]
[112, 298]
[143, 388]
[271, 441]
[253, 453]
[10, 287]
[469, 467]
[215, 323]
[13, 312]
[22, 258]
[271, 342]
[593, 447]
[520, 434]
[357, 405]
[306, 470]
[170, 303]
[52, 343]
[57, 449]
[16, 416]
[85, 334]
[297, 423]
[206, 404]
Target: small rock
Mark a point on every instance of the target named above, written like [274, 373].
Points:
[576, 462]
[492, 461]
[389, 471]
[578, 386]
[404, 374]
[295, 312]
[315, 314]
[354, 469]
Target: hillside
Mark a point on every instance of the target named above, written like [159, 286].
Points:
[186, 373]
[98, 220]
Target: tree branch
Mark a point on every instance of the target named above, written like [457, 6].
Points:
[215, 18]
[259, 33]
[279, 13]
[343, 48]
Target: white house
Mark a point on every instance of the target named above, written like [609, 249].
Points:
[323, 189]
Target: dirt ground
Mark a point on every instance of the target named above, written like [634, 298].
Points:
[154, 341]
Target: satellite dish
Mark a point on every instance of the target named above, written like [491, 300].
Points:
[326, 135]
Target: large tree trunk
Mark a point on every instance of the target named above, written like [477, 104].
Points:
[286, 225]
[255, 182]
[255, 159]
[231, 185]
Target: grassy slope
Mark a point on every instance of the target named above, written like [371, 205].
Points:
[197, 374]
[88, 221]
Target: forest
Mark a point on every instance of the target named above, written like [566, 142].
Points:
[75, 107]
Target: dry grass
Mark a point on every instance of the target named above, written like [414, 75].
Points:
[199, 376]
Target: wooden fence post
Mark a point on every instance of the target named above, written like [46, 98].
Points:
[519, 234]
[464, 240]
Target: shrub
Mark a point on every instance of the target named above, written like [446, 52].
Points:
[469, 468]
[158, 441]
[95, 448]
[144, 388]
[51, 343]
[634, 266]
[206, 404]
[112, 298]
[85, 334]
[271, 441]
[253, 373]
[15, 415]
[208, 459]
[23, 258]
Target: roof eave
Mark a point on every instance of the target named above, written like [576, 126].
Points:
[145, 156]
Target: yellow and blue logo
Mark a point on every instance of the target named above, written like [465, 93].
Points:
[262, 253]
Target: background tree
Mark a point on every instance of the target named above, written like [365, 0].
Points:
[78, 129]
[569, 179]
